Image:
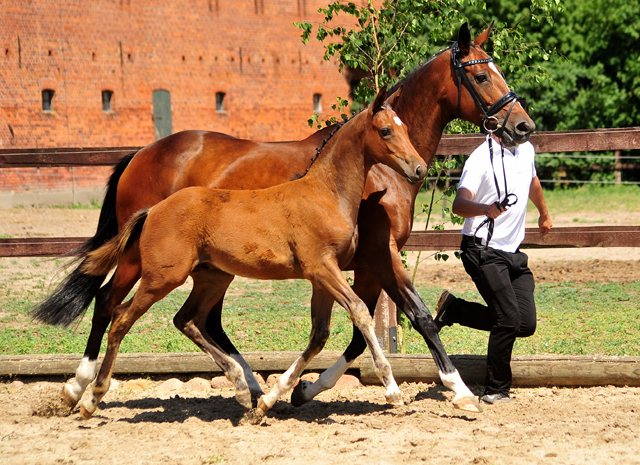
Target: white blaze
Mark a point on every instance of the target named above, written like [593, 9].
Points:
[397, 120]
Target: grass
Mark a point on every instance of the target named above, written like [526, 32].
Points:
[573, 319]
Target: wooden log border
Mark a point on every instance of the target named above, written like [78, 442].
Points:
[528, 371]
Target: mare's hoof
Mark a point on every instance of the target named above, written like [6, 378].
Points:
[469, 404]
[252, 416]
[68, 399]
[298, 396]
[255, 397]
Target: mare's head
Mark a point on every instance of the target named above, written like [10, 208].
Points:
[387, 140]
[482, 95]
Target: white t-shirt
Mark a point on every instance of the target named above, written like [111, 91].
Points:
[477, 176]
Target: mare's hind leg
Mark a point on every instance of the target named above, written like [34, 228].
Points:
[213, 328]
[321, 305]
[368, 290]
[107, 298]
[208, 288]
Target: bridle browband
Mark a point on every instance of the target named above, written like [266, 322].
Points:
[487, 112]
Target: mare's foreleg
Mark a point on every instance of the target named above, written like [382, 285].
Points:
[321, 306]
[208, 288]
[213, 327]
[107, 298]
[396, 282]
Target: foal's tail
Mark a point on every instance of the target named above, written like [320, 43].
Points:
[100, 261]
[74, 294]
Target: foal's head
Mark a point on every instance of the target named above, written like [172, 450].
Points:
[511, 121]
[388, 140]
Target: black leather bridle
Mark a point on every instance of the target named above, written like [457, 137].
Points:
[487, 112]
[490, 124]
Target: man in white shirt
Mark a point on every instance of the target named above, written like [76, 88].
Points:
[495, 188]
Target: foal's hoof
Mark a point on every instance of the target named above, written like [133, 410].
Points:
[469, 404]
[252, 416]
[394, 398]
[255, 397]
[298, 396]
[87, 410]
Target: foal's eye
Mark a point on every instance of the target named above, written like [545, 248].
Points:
[385, 132]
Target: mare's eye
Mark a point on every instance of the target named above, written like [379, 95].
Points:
[385, 132]
[480, 78]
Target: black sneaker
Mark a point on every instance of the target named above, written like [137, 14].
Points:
[440, 313]
[497, 398]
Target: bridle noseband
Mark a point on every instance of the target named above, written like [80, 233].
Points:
[487, 112]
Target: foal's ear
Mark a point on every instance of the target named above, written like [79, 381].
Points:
[377, 104]
[482, 38]
[464, 40]
[393, 98]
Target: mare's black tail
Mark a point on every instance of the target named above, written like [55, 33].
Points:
[74, 294]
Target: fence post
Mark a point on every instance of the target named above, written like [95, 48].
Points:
[385, 324]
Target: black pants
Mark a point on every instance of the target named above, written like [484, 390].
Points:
[506, 284]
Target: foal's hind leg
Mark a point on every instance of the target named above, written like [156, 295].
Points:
[321, 305]
[107, 298]
[208, 288]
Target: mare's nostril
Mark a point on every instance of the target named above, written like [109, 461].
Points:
[419, 171]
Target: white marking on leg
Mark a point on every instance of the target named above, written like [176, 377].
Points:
[327, 379]
[454, 382]
[251, 380]
[85, 374]
[284, 383]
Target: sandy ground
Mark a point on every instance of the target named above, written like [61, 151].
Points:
[175, 422]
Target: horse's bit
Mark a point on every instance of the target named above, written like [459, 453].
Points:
[488, 116]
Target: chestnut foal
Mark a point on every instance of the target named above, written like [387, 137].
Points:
[305, 229]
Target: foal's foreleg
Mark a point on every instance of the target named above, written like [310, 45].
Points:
[107, 298]
[368, 290]
[335, 283]
[321, 306]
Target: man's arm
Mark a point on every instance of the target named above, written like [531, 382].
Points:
[537, 197]
[465, 206]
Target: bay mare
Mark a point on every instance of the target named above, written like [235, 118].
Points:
[304, 229]
[430, 100]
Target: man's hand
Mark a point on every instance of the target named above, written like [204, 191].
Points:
[493, 211]
[544, 223]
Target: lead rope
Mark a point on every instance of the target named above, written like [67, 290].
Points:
[501, 205]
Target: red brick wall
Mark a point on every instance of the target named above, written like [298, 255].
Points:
[192, 48]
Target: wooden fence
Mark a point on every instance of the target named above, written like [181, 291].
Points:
[545, 142]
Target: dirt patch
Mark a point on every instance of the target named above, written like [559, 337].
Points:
[544, 425]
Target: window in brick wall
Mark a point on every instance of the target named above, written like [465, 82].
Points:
[317, 103]
[107, 96]
[47, 100]
[220, 102]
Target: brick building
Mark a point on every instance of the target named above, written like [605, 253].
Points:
[100, 73]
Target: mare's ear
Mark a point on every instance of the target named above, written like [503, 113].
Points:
[482, 38]
[377, 104]
[393, 98]
[464, 40]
